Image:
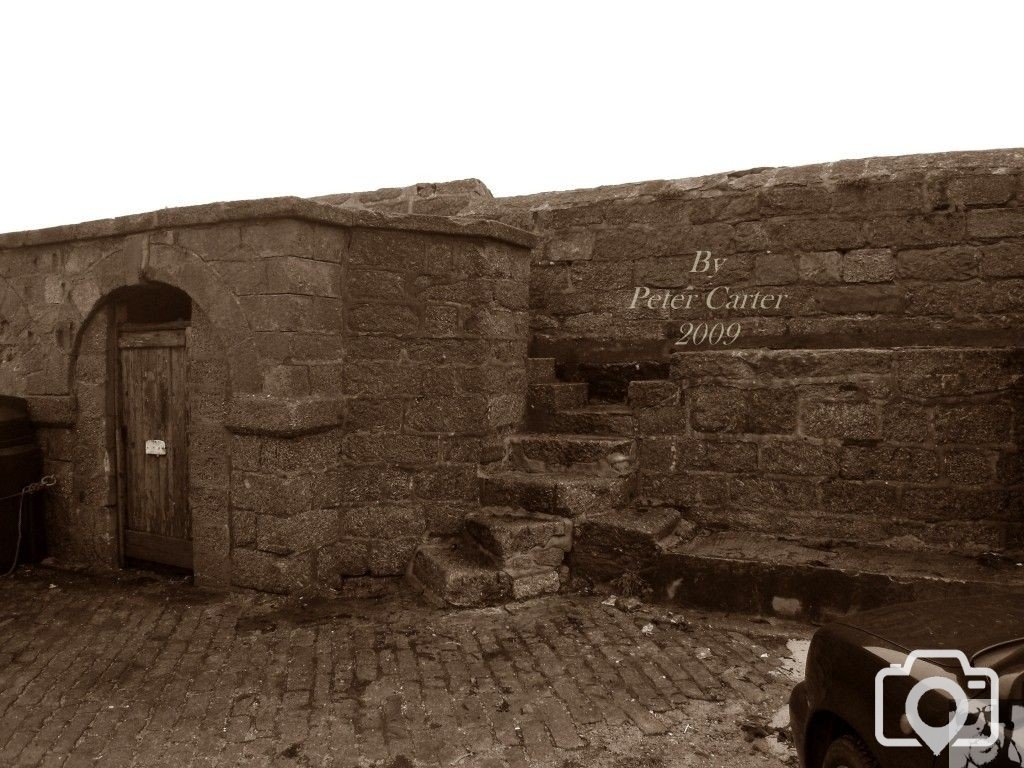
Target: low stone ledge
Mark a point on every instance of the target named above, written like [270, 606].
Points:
[281, 417]
[52, 410]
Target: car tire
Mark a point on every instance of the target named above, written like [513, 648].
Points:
[848, 752]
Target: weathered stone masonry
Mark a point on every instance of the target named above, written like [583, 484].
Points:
[347, 372]
[362, 378]
[882, 399]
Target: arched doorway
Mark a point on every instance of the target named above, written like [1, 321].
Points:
[149, 369]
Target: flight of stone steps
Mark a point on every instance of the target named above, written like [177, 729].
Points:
[563, 496]
[569, 476]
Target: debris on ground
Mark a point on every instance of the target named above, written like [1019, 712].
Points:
[771, 737]
[631, 584]
[754, 730]
[652, 615]
[793, 665]
[671, 620]
[630, 604]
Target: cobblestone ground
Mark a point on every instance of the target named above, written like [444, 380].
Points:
[141, 670]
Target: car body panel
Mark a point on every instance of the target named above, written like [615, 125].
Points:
[845, 657]
[970, 625]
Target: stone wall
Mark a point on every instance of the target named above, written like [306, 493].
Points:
[864, 385]
[920, 250]
[435, 346]
[347, 371]
[914, 448]
[871, 390]
[877, 401]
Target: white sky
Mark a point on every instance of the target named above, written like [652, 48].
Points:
[111, 109]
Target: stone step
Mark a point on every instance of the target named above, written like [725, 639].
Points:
[758, 573]
[606, 546]
[599, 454]
[653, 393]
[520, 542]
[540, 370]
[461, 576]
[458, 576]
[605, 419]
[555, 396]
[555, 493]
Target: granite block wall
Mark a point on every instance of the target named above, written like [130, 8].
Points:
[920, 250]
[347, 372]
[434, 344]
[838, 344]
[828, 352]
[910, 448]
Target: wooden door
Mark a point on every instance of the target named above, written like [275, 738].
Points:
[156, 523]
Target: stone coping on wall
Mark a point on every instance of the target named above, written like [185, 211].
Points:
[886, 168]
[268, 208]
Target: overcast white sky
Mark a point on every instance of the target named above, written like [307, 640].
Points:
[111, 109]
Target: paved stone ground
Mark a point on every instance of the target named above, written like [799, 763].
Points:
[140, 670]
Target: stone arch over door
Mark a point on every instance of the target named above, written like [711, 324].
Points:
[141, 261]
[94, 523]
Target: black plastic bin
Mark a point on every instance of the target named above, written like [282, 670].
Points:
[21, 463]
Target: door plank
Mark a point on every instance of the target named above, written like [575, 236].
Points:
[162, 338]
[154, 407]
[177, 443]
[159, 549]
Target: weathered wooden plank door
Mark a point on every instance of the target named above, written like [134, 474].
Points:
[156, 522]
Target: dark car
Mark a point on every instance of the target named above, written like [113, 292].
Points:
[833, 711]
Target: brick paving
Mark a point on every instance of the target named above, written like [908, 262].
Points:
[140, 670]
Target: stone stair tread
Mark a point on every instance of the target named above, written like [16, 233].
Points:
[559, 386]
[758, 572]
[872, 558]
[599, 419]
[623, 540]
[556, 395]
[461, 576]
[516, 518]
[564, 493]
[567, 440]
[554, 477]
[596, 453]
[457, 575]
[541, 370]
[570, 437]
[506, 532]
[653, 522]
[460, 558]
[617, 409]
